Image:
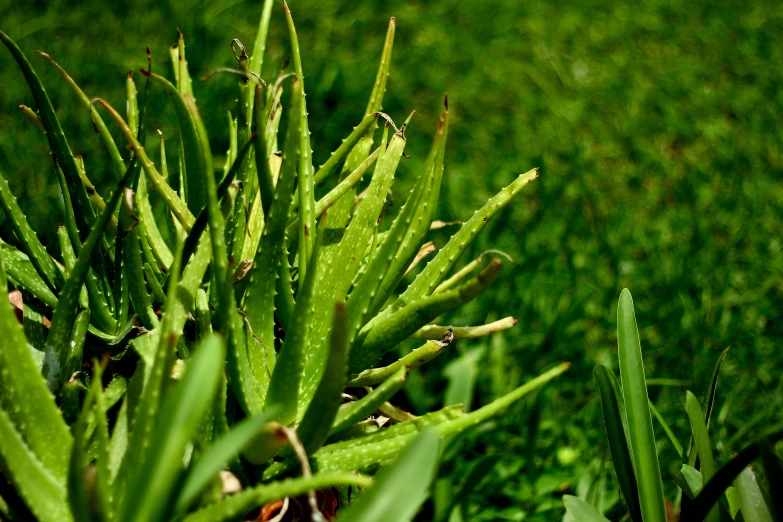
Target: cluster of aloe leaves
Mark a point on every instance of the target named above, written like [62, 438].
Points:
[704, 490]
[237, 334]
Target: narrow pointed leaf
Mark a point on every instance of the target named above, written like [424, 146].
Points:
[322, 410]
[618, 444]
[642, 440]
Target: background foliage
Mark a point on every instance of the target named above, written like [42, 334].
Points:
[657, 128]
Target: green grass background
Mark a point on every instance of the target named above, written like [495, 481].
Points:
[657, 128]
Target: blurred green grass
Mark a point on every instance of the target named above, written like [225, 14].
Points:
[658, 131]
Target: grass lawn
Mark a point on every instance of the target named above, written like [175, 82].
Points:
[658, 131]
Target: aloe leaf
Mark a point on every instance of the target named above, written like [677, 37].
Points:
[245, 385]
[343, 266]
[217, 457]
[378, 337]
[236, 505]
[149, 225]
[428, 279]
[581, 511]
[378, 447]
[66, 311]
[158, 182]
[259, 297]
[21, 271]
[34, 326]
[753, 506]
[156, 349]
[305, 171]
[32, 116]
[259, 47]
[423, 208]
[432, 331]
[501, 404]
[283, 394]
[247, 174]
[387, 265]
[266, 181]
[384, 445]
[104, 401]
[194, 162]
[399, 491]
[322, 410]
[416, 358]
[28, 240]
[79, 494]
[108, 140]
[28, 403]
[721, 481]
[183, 410]
[44, 495]
[103, 316]
[142, 305]
[61, 151]
[337, 157]
[200, 224]
[618, 443]
[353, 412]
[78, 336]
[337, 192]
[642, 439]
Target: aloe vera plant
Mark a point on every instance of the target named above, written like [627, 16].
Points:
[237, 336]
[704, 491]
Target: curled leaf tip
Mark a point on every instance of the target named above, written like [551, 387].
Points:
[242, 55]
[180, 34]
[45, 55]
[130, 74]
[144, 71]
[160, 133]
